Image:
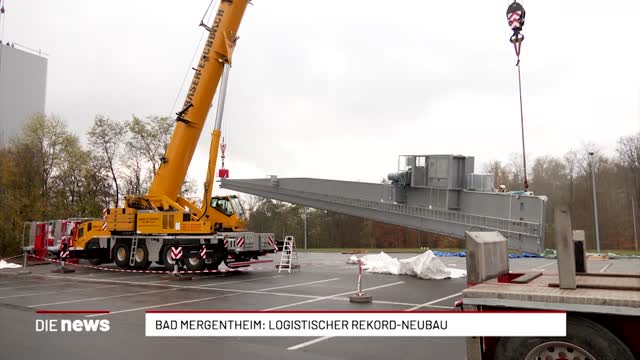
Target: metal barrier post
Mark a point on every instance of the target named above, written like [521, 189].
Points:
[24, 270]
[360, 297]
[359, 277]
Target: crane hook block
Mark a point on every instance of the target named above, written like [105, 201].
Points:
[515, 16]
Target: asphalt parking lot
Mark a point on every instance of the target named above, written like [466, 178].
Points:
[324, 283]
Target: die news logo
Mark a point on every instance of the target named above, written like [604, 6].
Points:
[66, 325]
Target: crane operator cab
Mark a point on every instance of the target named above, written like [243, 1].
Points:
[226, 214]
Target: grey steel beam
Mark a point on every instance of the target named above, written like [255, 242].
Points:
[519, 218]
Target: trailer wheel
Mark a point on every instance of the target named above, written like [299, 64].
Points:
[121, 254]
[94, 244]
[142, 258]
[195, 263]
[166, 258]
[585, 340]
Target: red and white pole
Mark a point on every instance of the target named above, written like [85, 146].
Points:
[360, 297]
[359, 293]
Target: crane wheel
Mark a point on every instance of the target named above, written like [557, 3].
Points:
[195, 263]
[142, 258]
[94, 244]
[585, 340]
[121, 254]
[166, 258]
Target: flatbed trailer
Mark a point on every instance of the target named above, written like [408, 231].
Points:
[603, 309]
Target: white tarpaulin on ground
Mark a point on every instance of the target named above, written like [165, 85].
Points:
[424, 266]
[352, 260]
[6, 265]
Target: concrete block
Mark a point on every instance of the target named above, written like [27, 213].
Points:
[486, 255]
[565, 247]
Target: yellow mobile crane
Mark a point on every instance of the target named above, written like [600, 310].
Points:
[147, 226]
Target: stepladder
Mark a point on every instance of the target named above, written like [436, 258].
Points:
[289, 255]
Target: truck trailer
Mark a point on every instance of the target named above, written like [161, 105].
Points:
[602, 309]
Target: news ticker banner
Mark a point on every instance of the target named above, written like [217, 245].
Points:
[355, 323]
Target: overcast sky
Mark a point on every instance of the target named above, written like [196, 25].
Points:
[337, 89]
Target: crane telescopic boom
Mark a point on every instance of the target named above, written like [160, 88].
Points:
[215, 140]
[216, 54]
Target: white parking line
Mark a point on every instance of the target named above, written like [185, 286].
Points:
[279, 294]
[331, 296]
[435, 301]
[163, 305]
[101, 298]
[237, 281]
[57, 292]
[30, 286]
[317, 340]
[394, 303]
[159, 283]
[116, 278]
[123, 282]
[545, 265]
[260, 291]
[267, 292]
[234, 292]
[606, 267]
[310, 342]
[301, 284]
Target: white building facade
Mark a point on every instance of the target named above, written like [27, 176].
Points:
[23, 83]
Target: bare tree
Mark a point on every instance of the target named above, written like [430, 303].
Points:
[499, 172]
[133, 164]
[189, 189]
[586, 161]
[150, 137]
[251, 202]
[571, 162]
[45, 174]
[70, 177]
[628, 151]
[515, 166]
[106, 137]
[46, 135]
[549, 170]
